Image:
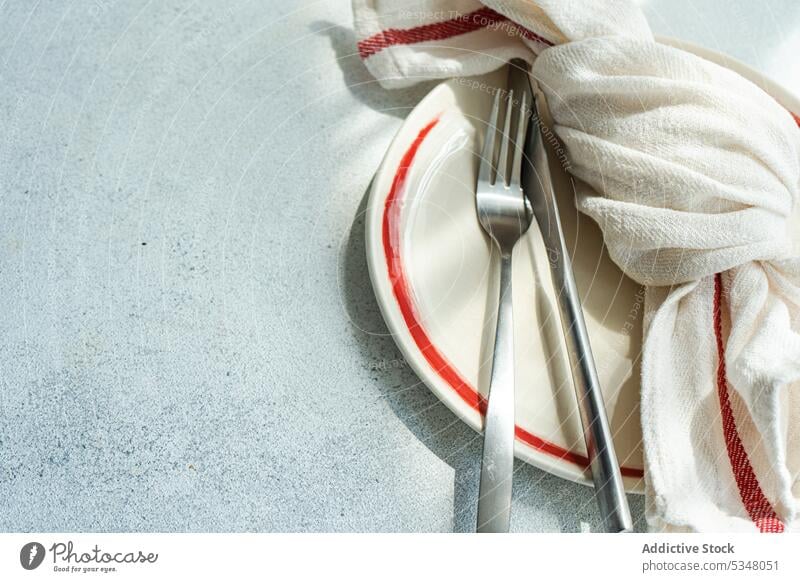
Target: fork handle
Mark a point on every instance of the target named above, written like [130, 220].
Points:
[606, 475]
[497, 465]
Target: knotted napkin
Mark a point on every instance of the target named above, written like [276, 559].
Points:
[693, 173]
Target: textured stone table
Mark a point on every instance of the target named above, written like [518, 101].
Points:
[189, 337]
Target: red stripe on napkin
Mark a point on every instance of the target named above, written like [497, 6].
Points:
[476, 20]
[755, 502]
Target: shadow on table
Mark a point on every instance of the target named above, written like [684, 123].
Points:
[538, 496]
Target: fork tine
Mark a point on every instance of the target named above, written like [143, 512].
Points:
[486, 162]
[519, 142]
[502, 162]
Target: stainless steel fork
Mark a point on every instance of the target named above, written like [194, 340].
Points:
[503, 214]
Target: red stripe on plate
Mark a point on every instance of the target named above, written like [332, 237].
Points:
[398, 279]
[755, 502]
[462, 24]
[436, 360]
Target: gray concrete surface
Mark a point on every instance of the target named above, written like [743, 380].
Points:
[188, 337]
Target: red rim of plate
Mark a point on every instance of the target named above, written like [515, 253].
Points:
[435, 359]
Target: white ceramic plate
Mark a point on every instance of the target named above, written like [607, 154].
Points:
[432, 269]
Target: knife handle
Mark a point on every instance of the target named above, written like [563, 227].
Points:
[606, 475]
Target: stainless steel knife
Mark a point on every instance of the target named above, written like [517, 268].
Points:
[537, 186]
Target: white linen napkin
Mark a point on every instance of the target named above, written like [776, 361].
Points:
[693, 173]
